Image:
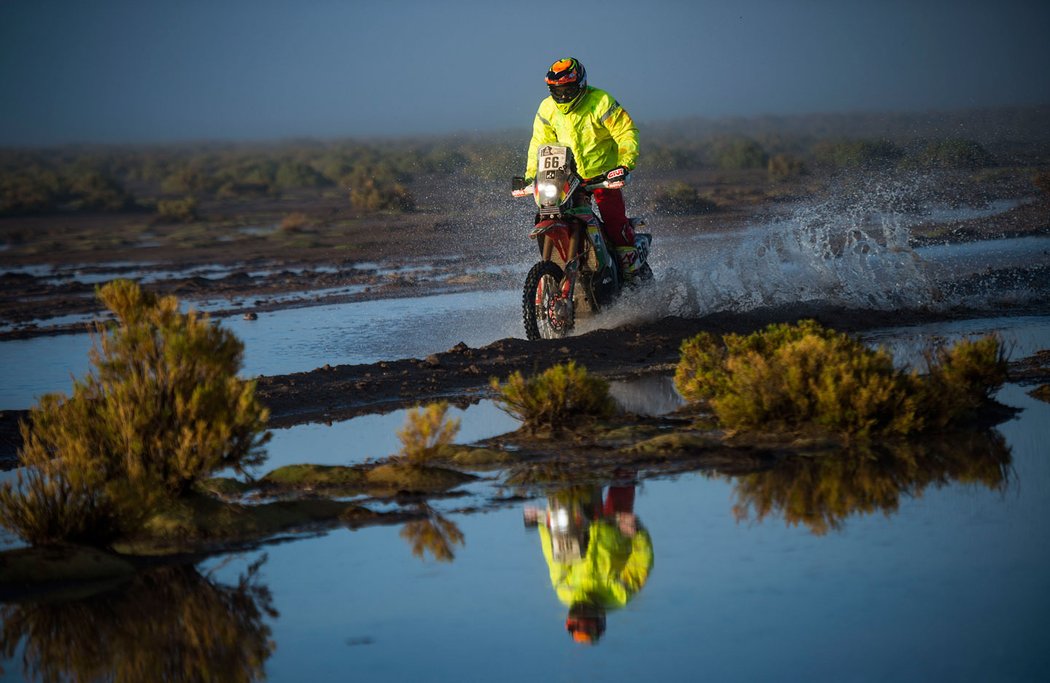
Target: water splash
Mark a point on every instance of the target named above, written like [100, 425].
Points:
[847, 251]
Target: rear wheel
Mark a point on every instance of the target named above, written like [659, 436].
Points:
[546, 313]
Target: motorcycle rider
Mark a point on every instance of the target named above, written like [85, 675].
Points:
[604, 141]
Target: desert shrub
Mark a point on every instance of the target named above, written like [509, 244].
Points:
[377, 187]
[427, 433]
[294, 222]
[672, 157]
[1041, 179]
[177, 210]
[856, 153]
[192, 178]
[785, 167]
[960, 379]
[739, 153]
[293, 174]
[559, 397]
[30, 190]
[954, 153]
[162, 408]
[681, 197]
[804, 375]
[92, 189]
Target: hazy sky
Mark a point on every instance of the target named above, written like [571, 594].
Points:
[142, 70]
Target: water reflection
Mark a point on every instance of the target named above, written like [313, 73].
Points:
[168, 624]
[822, 492]
[598, 553]
[434, 533]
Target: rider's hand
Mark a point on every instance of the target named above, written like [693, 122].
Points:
[617, 177]
[523, 191]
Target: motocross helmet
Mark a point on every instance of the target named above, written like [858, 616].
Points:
[567, 80]
[586, 622]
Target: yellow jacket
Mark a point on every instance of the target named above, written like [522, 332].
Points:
[613, 570]
[599, 131]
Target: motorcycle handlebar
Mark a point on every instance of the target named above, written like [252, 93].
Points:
[519, 188]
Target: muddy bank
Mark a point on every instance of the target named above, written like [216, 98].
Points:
[462, 374]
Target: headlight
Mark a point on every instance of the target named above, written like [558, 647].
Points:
[549, 190]
[561, 519]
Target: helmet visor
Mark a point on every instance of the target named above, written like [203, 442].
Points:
[565, 93]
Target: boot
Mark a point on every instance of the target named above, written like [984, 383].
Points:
[629, 264]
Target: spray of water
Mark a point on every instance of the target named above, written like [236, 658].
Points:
[849, 251]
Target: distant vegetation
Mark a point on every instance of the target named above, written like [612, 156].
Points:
[162, 409]
[380, 175]
[805, 376]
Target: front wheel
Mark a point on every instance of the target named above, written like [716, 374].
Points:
[547, 314]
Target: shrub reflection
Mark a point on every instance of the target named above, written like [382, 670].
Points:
[433, 533]
[821, 493]
[168, 624]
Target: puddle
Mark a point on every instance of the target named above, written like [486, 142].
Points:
[1023, 336]
[720, 589]
[647, 396]
[976, 257]
[294, 340]
[946, 214]
[370, 437]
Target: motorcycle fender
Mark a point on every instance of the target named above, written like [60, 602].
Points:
[546, 226]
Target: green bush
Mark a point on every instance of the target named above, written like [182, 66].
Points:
[954, 153]
[856, 153]
[560, 397]
[739, 153]
[177, 210]
[681, 197]
[785, 167]
[804, 375]
[30, 190]
[94, 190]
[162, 409]
[961, 379]
[427, 433]
[375, 189]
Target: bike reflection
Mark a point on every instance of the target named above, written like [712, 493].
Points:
[167, 624]
[822, 492]
[598, 553]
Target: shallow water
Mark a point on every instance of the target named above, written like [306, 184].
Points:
[370, 437]
[793, 260]
[294, 339]
[951, 585]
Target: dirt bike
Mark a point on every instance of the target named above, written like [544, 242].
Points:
[578, 272]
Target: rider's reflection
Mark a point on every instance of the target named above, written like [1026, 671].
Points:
[598, 553]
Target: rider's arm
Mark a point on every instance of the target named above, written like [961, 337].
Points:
[543, 133]
[636, 569]
[620, 125]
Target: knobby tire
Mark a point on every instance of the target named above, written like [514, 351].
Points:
[530, 315]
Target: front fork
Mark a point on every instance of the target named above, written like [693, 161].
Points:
[572, 264]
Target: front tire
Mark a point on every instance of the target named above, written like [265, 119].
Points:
[545, 312]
